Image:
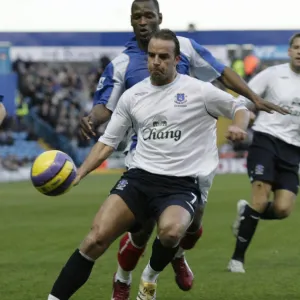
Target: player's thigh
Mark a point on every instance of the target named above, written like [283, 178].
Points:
[113, 218]
[261, 171]
[175, 212]
[131, 189]
[287, 169]
[172, 225]
[286, 187]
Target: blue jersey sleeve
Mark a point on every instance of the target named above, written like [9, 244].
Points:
[201, 53]
[111, 84]
[1, 98]
[200, 62]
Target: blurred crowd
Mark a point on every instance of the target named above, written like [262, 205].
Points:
[60, 93]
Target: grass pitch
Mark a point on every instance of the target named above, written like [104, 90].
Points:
[38, 234]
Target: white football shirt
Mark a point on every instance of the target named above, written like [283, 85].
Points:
[280, 85]
[175, 125]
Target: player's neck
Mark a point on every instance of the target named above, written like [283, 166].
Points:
[143, 45]
[294, 69]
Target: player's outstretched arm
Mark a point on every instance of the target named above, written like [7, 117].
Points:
[213, 69]
[98, 154]
[234, 82]
[219, 103]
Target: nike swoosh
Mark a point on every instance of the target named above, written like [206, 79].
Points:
[194, 198]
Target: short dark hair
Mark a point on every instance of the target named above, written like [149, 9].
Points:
[154, 1]
[167, 35]
[292, 39]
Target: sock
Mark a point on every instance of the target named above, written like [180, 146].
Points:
[50, 297]
[190, 239]
[269, 213]
[161, 256]
[149, 275]
[247, 228]
[73, 275]
[123, 276]
[129, 254]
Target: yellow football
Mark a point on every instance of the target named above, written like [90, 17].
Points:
[53, 172]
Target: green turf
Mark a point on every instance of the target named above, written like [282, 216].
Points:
[39, 233]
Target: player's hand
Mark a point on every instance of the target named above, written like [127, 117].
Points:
[86, 127]
[269, 107]
[77, 180]
[236, 134]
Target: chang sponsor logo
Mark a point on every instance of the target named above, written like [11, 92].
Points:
[158, 130]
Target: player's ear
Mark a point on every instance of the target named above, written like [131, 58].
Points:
[176, 62]
[290, 52]
[160, 17]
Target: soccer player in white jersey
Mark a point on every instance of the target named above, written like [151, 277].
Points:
[274, 156]
[127, 69]
[174, 116]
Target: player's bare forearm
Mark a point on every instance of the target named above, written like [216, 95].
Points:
[241, 119]
[100, 114]
[234, 82]
[98, 154]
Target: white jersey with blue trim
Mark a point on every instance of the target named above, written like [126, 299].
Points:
[281, 86]
[175, 125]
[130, 68]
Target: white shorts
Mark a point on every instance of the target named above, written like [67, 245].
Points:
[205, 182]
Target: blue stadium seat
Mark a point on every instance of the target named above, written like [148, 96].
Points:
[21, 147]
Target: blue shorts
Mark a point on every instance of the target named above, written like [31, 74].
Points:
[274, 161]
[147, 195]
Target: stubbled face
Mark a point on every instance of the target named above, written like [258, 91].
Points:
[145, 19]
[162, 61]
[294, 54]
